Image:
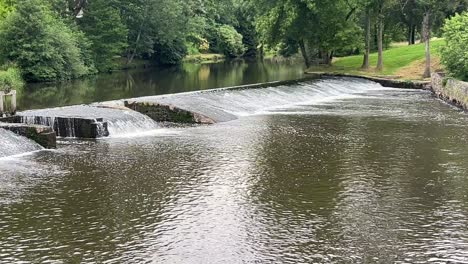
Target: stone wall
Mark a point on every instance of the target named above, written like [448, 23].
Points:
[66, 126]
[43, 135]
[168, 113]
[450, 90]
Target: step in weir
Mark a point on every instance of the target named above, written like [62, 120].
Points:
[67, 127]
[43, 135]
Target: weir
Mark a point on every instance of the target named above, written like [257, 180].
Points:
[222, 105]
[137, 115]
[13, 144]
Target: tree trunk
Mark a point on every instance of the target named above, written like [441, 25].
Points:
[304, 53]
[413, 35]
[410, 33]
[365, 63]
[427, 41]
[380, 41]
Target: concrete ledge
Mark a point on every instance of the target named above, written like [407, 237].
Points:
[168, 113]
[66, 126]
[385, 82]
[450, 90]
[43, 135]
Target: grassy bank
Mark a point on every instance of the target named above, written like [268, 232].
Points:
[400, 62]
[204, 58]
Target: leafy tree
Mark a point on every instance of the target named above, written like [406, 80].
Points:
[455, 55]
[230, 41]
[6, 6]
[319, 28]
[103, 26]
[41, 44]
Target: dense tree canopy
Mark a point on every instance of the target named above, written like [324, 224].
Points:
[63, 39]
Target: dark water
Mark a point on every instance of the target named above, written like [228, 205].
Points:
[156, 81]
[376, 177]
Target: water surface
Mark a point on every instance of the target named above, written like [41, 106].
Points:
[156, 81]
[377, 176]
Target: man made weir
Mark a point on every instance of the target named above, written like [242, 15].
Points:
[140, 115]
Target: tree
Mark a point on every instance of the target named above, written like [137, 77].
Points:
[6, 6]
[42, 45]
[454, 55]
[317, 28]
[230, 42]
[103, 26]
[430, 9]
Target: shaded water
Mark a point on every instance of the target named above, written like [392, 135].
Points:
[155, 81]
[376, 177]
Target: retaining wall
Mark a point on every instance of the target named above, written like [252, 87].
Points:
[450, 90]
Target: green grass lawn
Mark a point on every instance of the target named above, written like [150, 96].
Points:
[394, 59]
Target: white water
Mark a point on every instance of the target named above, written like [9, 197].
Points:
[121, 122]
[12, 144]
[219, 104]
[226, 105]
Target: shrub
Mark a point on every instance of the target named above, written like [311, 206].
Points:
[41, 44]
[230, 41]
[10, 79]
[455, 53]
[170, 53]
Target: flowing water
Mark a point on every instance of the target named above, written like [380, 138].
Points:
[12, 144]
[121, 122]
[346, 172]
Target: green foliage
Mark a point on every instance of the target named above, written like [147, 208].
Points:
[230, 42]
[10, 79]
[170, 53]
[41, 44]
[455, 53]
[103, 26]
[6, 6]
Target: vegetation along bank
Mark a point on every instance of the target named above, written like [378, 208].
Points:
[49, 40]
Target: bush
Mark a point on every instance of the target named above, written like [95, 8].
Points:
[10, 79]
[230, 42]
[170, 53]
[41, 44]
[455, 53]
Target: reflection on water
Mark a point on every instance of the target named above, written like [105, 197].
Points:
[156, 81]
[377, 178]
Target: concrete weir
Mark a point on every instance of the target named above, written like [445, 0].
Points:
[168, 113]
[73, 127]
[43, 135]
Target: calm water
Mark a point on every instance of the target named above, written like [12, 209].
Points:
[376, 177]
[155, 81]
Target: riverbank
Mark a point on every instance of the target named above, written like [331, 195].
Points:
[400, 63]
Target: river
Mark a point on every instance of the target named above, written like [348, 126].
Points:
[156, 81]
[364, 175]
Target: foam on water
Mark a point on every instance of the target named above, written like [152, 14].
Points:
[13, 145]
[228, 104]
[120, 121]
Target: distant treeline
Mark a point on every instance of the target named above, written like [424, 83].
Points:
[64, 39]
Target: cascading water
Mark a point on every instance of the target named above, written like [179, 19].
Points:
[228, 104]
[12, 144]
[120, 121]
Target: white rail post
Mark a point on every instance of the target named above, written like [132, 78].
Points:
[2, 100]
[13, 102]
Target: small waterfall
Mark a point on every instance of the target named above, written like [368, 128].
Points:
[120, 121]
[12, 144]
[228, 104]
